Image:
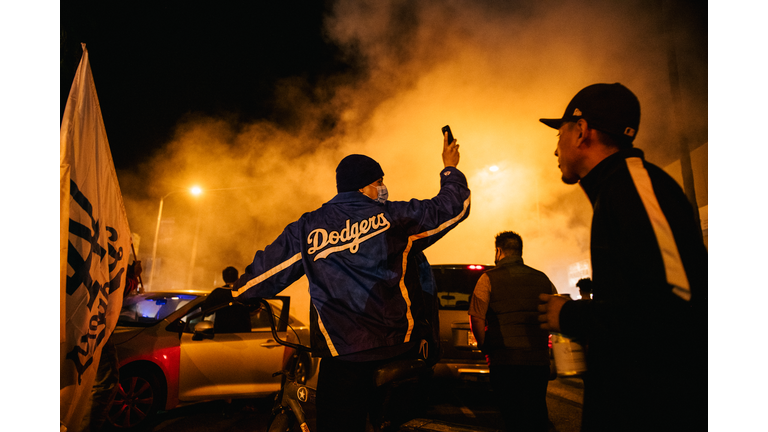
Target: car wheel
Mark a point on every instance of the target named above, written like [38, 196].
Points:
[138, 398]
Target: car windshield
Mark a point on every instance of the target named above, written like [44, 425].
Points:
[455, 285]
[143, 310]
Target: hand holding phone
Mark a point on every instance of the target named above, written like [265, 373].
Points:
[450, 152]
[445, 129]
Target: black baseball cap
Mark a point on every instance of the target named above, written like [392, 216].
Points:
[610, 108]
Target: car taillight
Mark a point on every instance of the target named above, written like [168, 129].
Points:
[550, 342]
[475, 267]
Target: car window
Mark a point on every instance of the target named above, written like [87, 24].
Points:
[260, 319]
[235, 318]
[455, 285]
[147, 309]
[191, 318]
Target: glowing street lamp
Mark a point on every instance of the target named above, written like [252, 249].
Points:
[195, 190]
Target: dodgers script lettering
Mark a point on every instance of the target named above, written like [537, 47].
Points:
[351, 236]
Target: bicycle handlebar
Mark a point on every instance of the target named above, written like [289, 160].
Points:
[273, 327]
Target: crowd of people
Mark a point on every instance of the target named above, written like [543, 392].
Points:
[373, 297]
[370, 295]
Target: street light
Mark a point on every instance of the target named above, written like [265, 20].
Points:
[195, 190]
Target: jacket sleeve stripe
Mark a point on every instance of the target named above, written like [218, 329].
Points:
[271, 272]
[445, 224]
[673, 264]
[411, 239]
[327, 337]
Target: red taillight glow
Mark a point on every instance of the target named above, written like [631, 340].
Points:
[476, 267]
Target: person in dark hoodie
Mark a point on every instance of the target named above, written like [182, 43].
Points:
[363, 258]
[646, 325]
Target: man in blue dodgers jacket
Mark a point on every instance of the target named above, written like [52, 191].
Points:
[362, 256]
[646, 327]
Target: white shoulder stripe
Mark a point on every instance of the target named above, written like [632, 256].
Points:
[411, 239]
[673, 264]
[271, 272]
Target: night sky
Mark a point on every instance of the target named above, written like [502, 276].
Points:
[156, 63]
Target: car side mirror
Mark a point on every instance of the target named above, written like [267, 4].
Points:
[203, 330]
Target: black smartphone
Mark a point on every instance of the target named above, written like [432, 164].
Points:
[447, 128]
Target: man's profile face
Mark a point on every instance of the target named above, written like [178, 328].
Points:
[567, 143]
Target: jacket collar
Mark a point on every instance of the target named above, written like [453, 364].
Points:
[594, 179]
[352, 197]
[510, 260]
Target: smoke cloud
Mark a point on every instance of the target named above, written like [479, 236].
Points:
[489, 69]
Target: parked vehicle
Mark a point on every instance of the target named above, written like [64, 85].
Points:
[461, 358]
[175, 348]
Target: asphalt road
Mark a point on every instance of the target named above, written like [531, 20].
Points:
[473, 404]
[466, 406]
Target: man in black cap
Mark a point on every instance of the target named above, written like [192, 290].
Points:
[363, 258]
[646, 325]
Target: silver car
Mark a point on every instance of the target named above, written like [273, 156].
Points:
[175, 348]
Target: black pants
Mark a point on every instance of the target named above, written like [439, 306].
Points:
[347, 393]
[521, 392]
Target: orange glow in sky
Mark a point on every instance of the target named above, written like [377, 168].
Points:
[491, 76]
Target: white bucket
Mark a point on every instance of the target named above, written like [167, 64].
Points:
[569, 356]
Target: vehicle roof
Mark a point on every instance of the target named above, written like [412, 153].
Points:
[191, 292]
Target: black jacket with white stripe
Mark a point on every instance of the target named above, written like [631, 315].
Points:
[647, 321]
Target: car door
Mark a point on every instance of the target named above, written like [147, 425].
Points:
[238, 361]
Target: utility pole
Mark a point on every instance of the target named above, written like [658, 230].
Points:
[677, 110]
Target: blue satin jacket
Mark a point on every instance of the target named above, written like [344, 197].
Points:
[361, 259]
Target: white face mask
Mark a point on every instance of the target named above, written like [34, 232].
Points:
[382, 193]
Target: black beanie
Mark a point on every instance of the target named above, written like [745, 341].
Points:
[356, 172]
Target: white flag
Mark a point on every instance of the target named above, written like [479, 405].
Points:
[95, 245]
